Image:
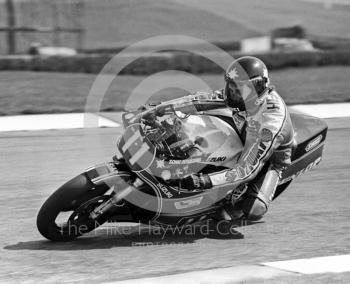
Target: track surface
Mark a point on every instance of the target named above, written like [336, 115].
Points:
[310, 219]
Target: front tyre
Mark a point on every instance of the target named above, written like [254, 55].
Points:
[78, 195]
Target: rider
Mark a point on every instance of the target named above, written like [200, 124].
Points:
[264, 125]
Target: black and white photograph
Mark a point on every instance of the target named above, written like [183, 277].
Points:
[175, 141]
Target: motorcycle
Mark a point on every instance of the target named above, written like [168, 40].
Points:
[161, 144]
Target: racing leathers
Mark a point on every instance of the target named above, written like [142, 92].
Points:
[267, 135]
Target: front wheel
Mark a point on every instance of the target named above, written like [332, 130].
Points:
[76, 198]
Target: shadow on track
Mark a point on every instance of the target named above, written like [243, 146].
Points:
[133, 236]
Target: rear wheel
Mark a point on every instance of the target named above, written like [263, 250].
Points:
[75, 199]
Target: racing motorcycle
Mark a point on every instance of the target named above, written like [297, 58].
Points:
[161, 144]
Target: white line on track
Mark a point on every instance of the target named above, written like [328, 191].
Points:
[267, 270]
[324, 110]
[328, 3]
[213, 276]
[51, 121]
[335, 264]
[76, 120]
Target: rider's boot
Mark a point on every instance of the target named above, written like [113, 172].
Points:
[229, 210]
[259, 195]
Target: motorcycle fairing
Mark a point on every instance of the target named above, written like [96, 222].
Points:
[109, 173]
[178, 206]
[310, 136]
[177, 147]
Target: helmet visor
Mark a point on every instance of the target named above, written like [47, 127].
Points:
[233, 95]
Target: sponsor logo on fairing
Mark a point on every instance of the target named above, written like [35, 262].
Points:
[217, 159]
[314, 143]
[188, 161]
[160, 164]
[188, 203]
[309, 167]
[166, 175]
[165, 190]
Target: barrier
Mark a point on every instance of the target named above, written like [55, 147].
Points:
[89, 63]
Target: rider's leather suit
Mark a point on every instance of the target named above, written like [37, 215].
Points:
[267, 134]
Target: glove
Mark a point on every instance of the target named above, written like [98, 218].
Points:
[196, 181]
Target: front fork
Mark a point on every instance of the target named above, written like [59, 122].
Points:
[116, 200]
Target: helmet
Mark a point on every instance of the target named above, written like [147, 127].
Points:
[243, 75]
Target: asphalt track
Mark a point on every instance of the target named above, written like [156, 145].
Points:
[310, 219]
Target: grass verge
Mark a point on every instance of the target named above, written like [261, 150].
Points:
[38, 92]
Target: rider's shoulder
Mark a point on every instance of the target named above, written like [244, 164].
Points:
[273, 97]
[273, 105]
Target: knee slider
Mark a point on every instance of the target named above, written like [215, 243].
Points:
[253, 208]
